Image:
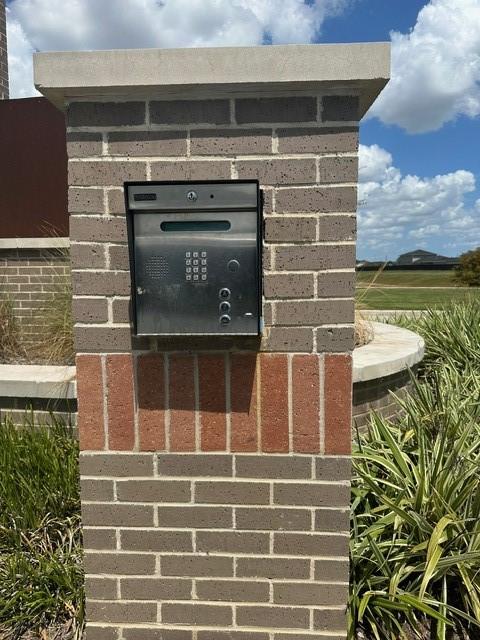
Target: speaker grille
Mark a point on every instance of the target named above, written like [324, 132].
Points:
[156, 267]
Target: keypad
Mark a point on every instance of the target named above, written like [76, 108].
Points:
[196, 266]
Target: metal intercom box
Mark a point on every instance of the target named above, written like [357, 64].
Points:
[195, 257]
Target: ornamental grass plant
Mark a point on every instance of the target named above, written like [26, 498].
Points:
[415, 540]
[41, 574]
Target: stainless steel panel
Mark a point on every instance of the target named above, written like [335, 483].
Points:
[196, 282]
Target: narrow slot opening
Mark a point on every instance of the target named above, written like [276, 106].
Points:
[195, 225]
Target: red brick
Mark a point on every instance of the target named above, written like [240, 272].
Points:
[274, 403]
[305, 404]
[181, 403]
[90, 402]
[211, 374]
[121, 435]
[151, 402]
[338, 404]
[243, 385]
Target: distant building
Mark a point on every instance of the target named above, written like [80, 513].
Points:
[421, 257]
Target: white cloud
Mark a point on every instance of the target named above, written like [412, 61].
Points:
[397, 211]
[435, 68]
[103, 24]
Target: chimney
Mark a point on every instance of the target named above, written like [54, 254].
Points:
[3, 53]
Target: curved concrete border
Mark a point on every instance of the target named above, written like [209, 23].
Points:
[37, 381]
[392, 349]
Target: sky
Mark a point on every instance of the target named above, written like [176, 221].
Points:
[419, 183]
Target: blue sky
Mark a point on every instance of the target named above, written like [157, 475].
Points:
[419, 160]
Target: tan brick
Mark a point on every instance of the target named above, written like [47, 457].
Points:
[197, 566]
[336, 285]
[273, 467]
[196, 614]
[278, 171]
[316, 200]
[303, 544]
[334, 228]
[197, 517]
[121, 310]
[104, 114]
[331, 339]
[93, 632]
[82, 144]
[285, 109]
[303, 594]
[118, 465]
[147, 143]
[332, 520]
[233, 590]
[190, 112]
[273, 617]
[314, 312]
[132, 633]
[290, 229]
[337, 170]
[118, 563]
[155, 589]
[191, 170]
[116, 202]
[314, 257]
[94, 538]
[122, 611]
[117, 515]
[101, 283]
[273, 519]
[118, 257]
[317, 140]
[100, 588]
[288, 285]
[153, 491]
[90, 310]
[321, 495]
[337, 108]
[226, 142]
[97, 229]
[232, 492]
[330, 620]
[332, 570]
[231, 635]
[330, 468]
[194, 465]
[109, 339]
[283, 339]
[158, 540]
[232, 542]
[104, 173]
[96, 490]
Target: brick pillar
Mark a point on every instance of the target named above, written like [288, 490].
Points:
[215, 472]
[3, 53]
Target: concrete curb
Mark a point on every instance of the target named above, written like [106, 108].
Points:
[37, 381]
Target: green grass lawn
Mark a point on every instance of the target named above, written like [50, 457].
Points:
[411, 297]
[409, 278]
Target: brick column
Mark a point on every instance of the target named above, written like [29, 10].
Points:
[215, 473]
[3, 53]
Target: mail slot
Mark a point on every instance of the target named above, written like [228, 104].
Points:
[195, 257]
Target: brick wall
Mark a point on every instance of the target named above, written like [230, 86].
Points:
[215, 472]
[3, 53]
[29, 278]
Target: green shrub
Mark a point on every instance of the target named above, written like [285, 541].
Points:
[41, 576]
[468, 271]
[415, 540]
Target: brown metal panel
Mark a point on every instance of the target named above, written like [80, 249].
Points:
[33, 169]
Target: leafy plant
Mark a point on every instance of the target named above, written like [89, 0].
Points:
[468, 271]
[415, 543]
[41, 580]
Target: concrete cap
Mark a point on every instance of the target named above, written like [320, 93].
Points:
[392, 349]
[37, 381]
[362, 69]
